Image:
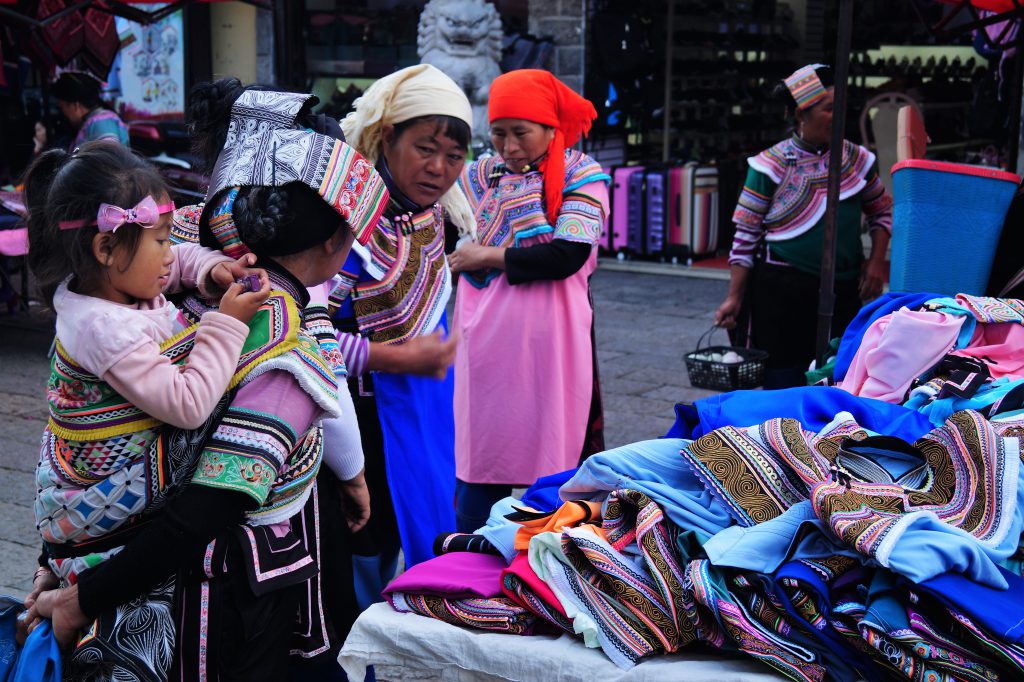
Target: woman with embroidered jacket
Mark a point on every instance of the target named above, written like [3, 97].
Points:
[389, 309]
[527, 396]
[239, 544]
[776, 253]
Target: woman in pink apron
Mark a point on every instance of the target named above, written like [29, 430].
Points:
[527, 399]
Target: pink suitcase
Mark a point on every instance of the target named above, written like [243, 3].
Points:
[693, 224]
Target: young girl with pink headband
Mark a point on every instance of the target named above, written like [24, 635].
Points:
[98, 226]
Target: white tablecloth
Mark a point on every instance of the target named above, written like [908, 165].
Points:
[405, 646]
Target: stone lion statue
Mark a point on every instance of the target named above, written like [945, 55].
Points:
[463, 39]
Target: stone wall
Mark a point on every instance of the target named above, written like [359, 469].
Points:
[561, 20]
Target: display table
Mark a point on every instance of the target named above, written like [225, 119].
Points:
[405, 646]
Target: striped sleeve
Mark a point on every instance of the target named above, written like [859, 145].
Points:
[355, 349]
[317, 320]
[877, 204]
[753, 205]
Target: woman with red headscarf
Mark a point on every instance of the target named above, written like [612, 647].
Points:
[527, 398]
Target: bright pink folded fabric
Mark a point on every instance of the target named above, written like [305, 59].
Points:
[1000, 346]
[456, 575]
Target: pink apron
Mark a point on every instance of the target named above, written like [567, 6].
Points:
[523, 377]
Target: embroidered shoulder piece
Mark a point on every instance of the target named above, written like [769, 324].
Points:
[409, 300]
[972, 486]
[802, 180]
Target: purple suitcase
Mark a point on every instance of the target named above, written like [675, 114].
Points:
[636, 198]
[656, 200]
[618, 226]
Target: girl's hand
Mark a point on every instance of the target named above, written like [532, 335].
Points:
[223, 275]
[242, 305]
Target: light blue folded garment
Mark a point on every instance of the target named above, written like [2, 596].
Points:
[656, 468]
[500, 531]
[795, 534]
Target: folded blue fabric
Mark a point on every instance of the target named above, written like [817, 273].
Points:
[795, 534]
[543, 494]
[999, 612]
[880, 307]
[819, 591]
[656, 468]
[813, 406]
[10, 608]
[37, 661]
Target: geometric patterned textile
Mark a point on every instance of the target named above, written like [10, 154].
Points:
[972, 486]
[410, 298]
[103, 462]
[992, 310]
[496, 614]
[263, 148]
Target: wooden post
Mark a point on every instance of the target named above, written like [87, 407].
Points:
[826, 295]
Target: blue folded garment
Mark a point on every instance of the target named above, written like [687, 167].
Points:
[813, 406]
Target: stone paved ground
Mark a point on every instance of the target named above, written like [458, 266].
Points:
[645, 323]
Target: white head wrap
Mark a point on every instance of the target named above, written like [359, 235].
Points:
[420, 90]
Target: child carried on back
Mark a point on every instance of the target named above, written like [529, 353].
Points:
[127, 369]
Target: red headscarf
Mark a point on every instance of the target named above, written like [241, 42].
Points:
[538, 96]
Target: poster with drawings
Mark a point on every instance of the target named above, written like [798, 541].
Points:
[151, 68]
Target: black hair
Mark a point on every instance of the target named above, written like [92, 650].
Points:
[453, 128]
[209, 113]
[67, 187]
[781, 92]
[75, 86]
[281, 221]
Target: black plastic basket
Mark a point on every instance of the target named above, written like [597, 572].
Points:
[725, 376]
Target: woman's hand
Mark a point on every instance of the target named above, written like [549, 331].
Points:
[872, 279]
[242, 305]
[44, 580]
[470, 257]
[355, 502]
[727, 313]
[429, 356]
[61, 607]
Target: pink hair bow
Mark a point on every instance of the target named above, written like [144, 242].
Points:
[109, 218]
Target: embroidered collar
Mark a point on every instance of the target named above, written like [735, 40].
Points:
[281, 278]
[805, 146]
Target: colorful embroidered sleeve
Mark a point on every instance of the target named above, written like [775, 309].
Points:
[755, 200]
[257, 434]
[877, 204]
[318, 323]
[583, 213]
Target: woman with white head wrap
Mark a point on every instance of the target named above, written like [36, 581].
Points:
[388, 306]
